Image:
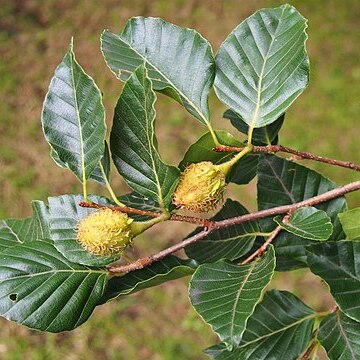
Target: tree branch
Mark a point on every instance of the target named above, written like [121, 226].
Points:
[141, 263]
[124, 209]
[215, 225]
[329, 195]
[206, 223]
[300, 155]
[263, 247]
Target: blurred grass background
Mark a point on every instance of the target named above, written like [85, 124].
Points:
[157, 324]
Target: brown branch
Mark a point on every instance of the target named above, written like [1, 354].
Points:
[141, 263]
[299, 155]
[124, 209]
[313, 345]
[329, 195]
[206, 223]
[215, 225]
[263, 247]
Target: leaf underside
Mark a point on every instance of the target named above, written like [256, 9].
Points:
[262, 66]
[180, 61]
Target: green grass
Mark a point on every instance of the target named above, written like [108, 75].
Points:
[157, 324]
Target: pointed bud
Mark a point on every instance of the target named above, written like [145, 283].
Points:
[105, 232]
[201, 187]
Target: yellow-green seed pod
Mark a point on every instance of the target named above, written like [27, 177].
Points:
[105, 232]
[201, 187]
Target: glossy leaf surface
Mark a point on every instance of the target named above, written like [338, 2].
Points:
[228, 243]
[280, 328]
[133, 143]
[202, 150]
[180, 61]
[266, 135]
[262, 66]
[140, 202]
[170, 268]
[339, 335]
[350, 221]
[73, 118]
[41, 217]
[282, 182]
[15, 231]
[308, 223]
[338, 263]
[98, 174]
[65, 212]
[225, 294]
[43, 290]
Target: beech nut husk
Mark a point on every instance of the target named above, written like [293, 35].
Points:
[105, 232]
[201, 187]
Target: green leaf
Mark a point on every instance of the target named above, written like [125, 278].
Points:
[228, 243]
[97, 174]
[133, 143]
[225, 294]
[266, 135]
[180, 61]
[282, 182]
[15, 231]
[41, 217]
[262, 66]
[103, 168]
[338, 263]
[308, 223]
[65, 213]
[280, 328]
[339, 335]
[43, 290]
[350, 221]
[202, 150]
[140, 202]
[73, 118]
[170, 268]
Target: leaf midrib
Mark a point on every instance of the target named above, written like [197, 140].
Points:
[12, 232]
[206, 121]
[55, 271]
[311, 316]
[78, 118]
[150, 140]
[233, 314]
[343, 333]
[259, 88]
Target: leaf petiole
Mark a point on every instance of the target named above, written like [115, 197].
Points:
[108, 186]
[227, 166]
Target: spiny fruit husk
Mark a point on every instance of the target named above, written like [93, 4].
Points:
[201, 187]
[105, 232]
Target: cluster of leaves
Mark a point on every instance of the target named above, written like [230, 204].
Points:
[49, 282]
